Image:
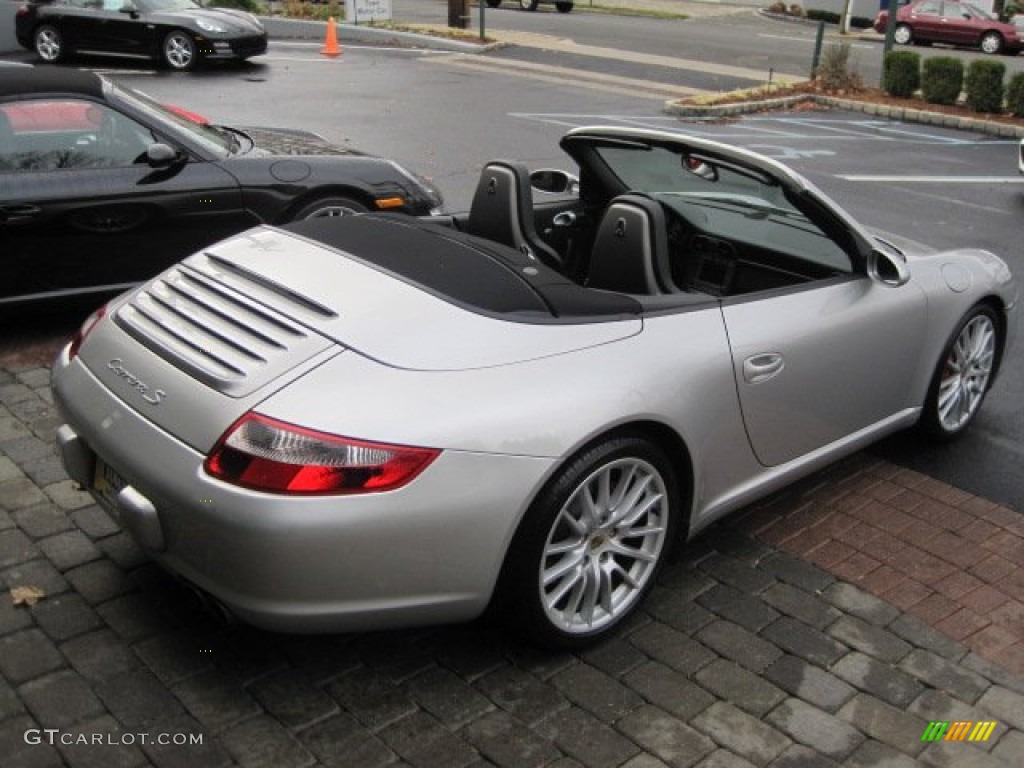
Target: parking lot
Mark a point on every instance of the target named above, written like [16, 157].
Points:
[829, 625]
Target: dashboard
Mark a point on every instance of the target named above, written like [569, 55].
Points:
[705, 261]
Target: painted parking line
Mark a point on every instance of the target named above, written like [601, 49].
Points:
[752, 127]
[896, 178]
[810, 40]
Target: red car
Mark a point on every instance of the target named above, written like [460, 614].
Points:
[944, 21]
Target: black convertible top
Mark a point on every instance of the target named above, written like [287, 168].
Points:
[20, 81]
[466, 270]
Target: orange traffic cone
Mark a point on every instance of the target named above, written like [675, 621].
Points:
[331, 47]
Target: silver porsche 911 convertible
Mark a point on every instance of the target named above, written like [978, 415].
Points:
[346, 424]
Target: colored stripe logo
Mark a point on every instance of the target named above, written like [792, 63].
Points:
[958, 730]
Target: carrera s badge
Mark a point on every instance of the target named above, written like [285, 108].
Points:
[154, 397]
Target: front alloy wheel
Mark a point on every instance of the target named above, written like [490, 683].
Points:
[329, 207]
[963, 375]
[592, 544]
[179, 51]
[49, 44]
[903, 35]
[991, 42]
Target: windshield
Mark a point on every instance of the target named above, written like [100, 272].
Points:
[166, 6]
[723, 198]
[214, 140]
[662, 172]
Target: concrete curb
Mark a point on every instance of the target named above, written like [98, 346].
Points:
[905, 114]
[301, 29]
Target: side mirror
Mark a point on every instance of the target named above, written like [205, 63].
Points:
[161, 155]
[554, 182]
[888, 269]
[699, 168]
[131, 9]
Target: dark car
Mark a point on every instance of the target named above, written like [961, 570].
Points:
[942, 21]
[563, 6]
[180, 33]
[102, 187]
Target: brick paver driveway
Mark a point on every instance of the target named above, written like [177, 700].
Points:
[765, 643]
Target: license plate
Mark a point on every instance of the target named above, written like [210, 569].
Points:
[107, 484]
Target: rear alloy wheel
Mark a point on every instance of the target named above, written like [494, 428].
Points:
[563, 7]
[49, 44]
[329, 207]
[991, 42]
[963, 375]
[529, 5]
[903, 35]
[179, 50]
[592, 544]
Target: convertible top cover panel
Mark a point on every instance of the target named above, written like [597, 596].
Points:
[468, 271]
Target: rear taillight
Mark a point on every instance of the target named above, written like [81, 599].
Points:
[269, 455]
[86, 328]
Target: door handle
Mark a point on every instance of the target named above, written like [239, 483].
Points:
[19, 211]
[762, 367]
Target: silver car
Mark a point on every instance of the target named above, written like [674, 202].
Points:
[379, 420]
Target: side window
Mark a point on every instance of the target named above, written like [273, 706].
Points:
[54, 134]
[929, 9]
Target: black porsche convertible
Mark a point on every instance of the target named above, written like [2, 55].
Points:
[102, 187]
[179, 33]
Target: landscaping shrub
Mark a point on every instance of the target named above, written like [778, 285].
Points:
[835, 70]
[1015, 95]
[942, 78]
[797, 10]
[984, 85]
[901, 73]
[777, 7]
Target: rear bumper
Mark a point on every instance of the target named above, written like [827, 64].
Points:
[427, 553]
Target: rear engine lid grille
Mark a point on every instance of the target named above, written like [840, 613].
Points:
[223, 325]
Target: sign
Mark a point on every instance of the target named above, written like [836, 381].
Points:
[358, 11]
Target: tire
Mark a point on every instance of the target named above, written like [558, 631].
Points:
[963, 375]
[493, 3]
[571, 578]
[49, 44]
[991, 42]
[329, 207]
[903, 35]
[179, 51]
[529, 5]
[563, 7]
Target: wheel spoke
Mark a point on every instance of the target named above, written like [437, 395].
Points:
[630, 516]
[562, 567]
[569, 582]
[626, 508]
[634, 553]
[591, 592]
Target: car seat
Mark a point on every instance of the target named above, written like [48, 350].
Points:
[502, 210]
[630, 252]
